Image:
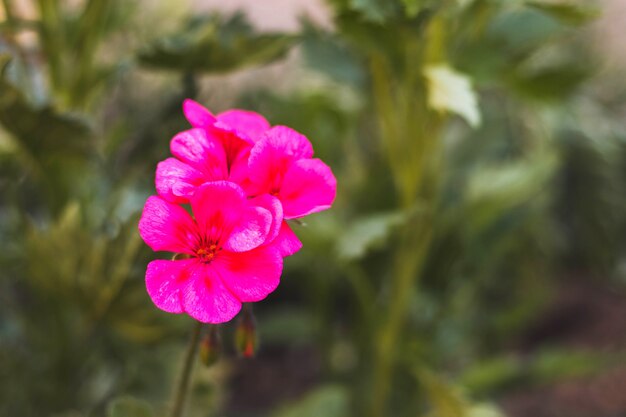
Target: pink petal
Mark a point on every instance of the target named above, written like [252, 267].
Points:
[218, 208]
[232, 142]
[167, 227]
[203, 152]
[271, 157]
[206, 299]
[176, 181]
[197, 114]
[287, 243]
[164, 280]
[239, 169]
[251, 231]
[252, 275]
[288, 142]
[309, 186]
[246, 123]
[273, 205]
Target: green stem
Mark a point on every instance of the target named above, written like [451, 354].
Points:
[410, 133]
[185, 377]
[407, 265]
[91, 27]
[51, 38]
[386, 112]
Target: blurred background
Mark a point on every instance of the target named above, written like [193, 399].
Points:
[473, 264]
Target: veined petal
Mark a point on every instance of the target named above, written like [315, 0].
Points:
[287, 243]
[197, 114]
[167, 227]
[288, 142]
[206, 299]
[176, 181]
[251, 275]
[251, 231]
[308, 186]
[273, 205]
[218, 208]
[203, 152]
[246, 123]
[272, 156]
[239, 169]
[164, 281]
[233, 143]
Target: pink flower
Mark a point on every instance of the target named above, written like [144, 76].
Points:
[281, 164]
[242, 179]
[279, 159]
[217, 148]
[286, 240]
[240, 146]
[229, 260]
[246, 124]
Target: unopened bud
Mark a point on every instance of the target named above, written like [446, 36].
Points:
[211, 346]
[245, 335]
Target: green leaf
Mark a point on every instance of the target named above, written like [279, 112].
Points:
[496, 373]
[448, 400]
[551, 83]
[367, 233]
[545, 366]
[327, 54]
[451, 91]
[555, 364]
[213, 45]
[520, 31]
[569, 12]
[445, 400]
[129, 407]
[413, 7]
[495, 190]
[375, 10]
[327, 401]
[40, 130]
[484, 410]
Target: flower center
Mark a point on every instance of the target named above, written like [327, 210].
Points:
[207, 253]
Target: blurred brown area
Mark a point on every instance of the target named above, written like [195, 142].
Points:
[584, 317]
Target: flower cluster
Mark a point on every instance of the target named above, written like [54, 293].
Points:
[242, 179]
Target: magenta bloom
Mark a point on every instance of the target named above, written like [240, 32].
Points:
[247, 125]
[217, 148]
[281, 164]
[230, 257]
[242, 178]
[240, 146]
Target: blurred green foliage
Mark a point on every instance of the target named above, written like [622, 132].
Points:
[211, 45]
[443, 245]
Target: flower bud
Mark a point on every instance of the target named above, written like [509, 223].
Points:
[210, 346]
[245, 334]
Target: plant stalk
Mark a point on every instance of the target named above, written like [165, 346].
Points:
[409, 134]
[180, 395]
[407, 268]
